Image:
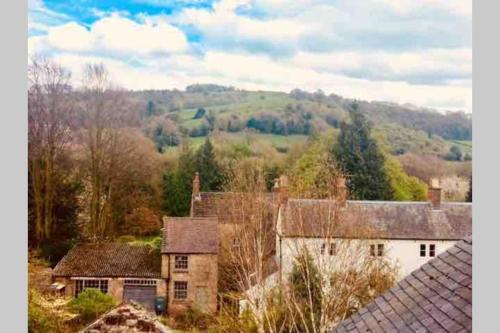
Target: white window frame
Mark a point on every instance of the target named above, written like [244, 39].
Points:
[377, 250]
[423, 250]
[183, 290]
[432, 250]
[86, 283]
[139, 282]
[181, 260]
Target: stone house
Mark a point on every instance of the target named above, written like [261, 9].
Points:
[189, 263]
[128, 272]
[184, 272]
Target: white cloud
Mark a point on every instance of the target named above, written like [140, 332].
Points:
[456, 7]
[377, 50]
[222, 26]
[117, 35]
[122, 34]
[70, 37]
[436, 64]
[261, 73]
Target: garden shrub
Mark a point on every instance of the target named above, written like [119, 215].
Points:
[91, 303]
[193, 318]
[39, 320]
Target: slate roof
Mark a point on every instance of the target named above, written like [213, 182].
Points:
[437, 297]
[223, 205]
[110, 260]
[384, 219]
[190, 235]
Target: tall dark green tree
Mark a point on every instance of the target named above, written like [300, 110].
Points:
[358, 155]
[211, 175]
[178, 185]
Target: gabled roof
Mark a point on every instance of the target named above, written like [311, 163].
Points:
[110, 260]
[223, 205]
[385, 219]
[437, 297]
[190, 235]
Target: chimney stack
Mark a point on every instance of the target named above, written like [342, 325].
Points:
[341, 190]
[281, 187]
[434, 194]
[196, 186]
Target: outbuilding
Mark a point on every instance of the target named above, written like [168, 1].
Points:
[128, 272]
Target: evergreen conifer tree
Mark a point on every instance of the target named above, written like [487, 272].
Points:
[178, 185]
[360, 158]
[211, 176]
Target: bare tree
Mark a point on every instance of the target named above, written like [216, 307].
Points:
[49, 137]
[114, 154]
[248, 244]
[328, 270]
[331, 267]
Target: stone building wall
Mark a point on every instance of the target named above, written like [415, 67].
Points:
[201, 277]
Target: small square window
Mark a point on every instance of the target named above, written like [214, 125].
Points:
[380, 248]
[236, 242]
[432, 250]
[422, 250]
[181, 262]
[180, 289]
[333, 249]
[372, 250]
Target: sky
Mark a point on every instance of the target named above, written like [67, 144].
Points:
[403, 51]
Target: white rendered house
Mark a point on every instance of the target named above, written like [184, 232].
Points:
[407, 234]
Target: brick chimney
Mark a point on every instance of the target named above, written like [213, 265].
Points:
[341, 190]
[434, 194]
[281, 188]
[196, 186]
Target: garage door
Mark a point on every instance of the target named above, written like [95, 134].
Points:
[144, 295]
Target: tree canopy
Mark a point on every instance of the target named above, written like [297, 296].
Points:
[360, 158]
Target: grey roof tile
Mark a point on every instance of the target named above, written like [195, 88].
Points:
[430, 299]
[385, 219]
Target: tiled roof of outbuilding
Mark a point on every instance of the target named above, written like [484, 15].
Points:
[105, 259]
[437, 297]
[386, 219]
[190, 235]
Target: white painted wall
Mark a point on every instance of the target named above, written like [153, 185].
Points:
[404, 253]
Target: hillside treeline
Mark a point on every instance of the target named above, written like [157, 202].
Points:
[97, 169]
[227, 109]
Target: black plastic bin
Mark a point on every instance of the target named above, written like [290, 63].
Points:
[160, 305]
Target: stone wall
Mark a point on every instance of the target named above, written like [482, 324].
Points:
[201, 277]
[115, 289]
